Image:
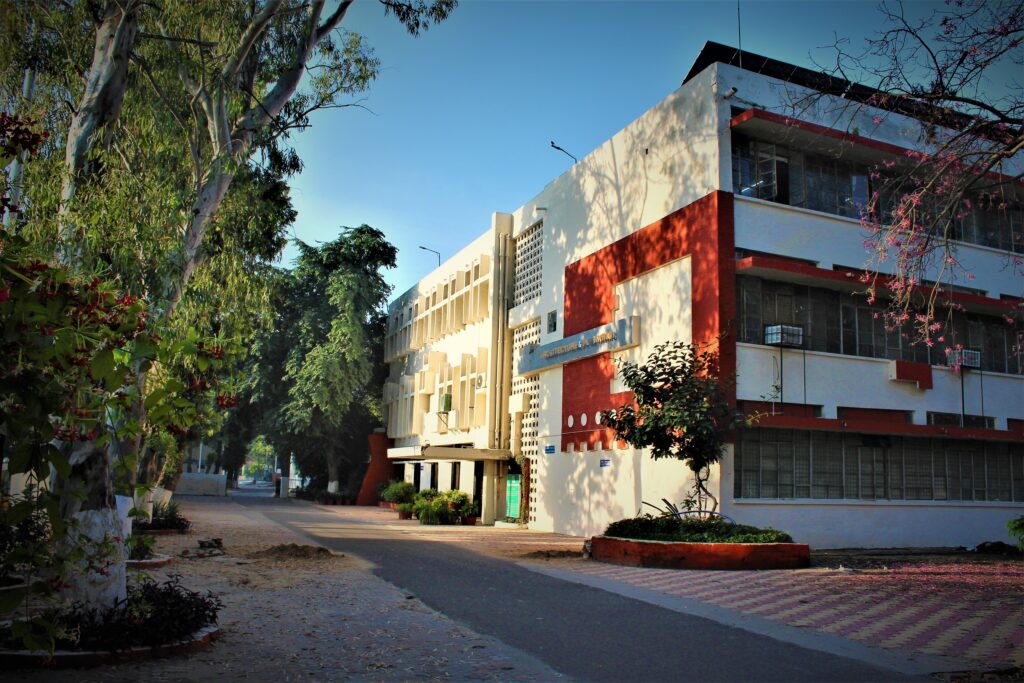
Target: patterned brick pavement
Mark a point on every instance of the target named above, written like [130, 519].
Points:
[967, 611]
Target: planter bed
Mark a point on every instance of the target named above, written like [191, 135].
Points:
[64, 659]
[389, 506]
[151, 563]
[672, 555]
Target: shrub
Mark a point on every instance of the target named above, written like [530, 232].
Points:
[398, 492]
[21, 539]
[1016, 529]
[434, 511]
[458, 502]
[139, 547]
[405, 507]
[152, 614]
[165, 516]
[715, 530]
[646, 528]
[426, 494]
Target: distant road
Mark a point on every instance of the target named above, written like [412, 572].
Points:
[586, 633]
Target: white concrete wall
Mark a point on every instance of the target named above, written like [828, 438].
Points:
[880, 524]
[200, 484]
[835, 240]
[835, 380]
[468, 340]
[580, 497]
[573, 493]
[663, 161]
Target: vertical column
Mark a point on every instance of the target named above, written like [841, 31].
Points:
[489, 502]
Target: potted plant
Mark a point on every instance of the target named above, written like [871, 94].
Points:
[404, 510]
[470, 512]
[397, 492]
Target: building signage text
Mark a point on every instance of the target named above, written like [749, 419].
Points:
[620, 334]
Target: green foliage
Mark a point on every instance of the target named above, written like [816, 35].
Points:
[165, 516]
[458, 502]
[446, 507]
[434, 511]
[25, 536]
[152, 614]
[139, 547]
[714, 530]
[259, 461]
[425, 495]
[1016, 529]
[399, 492]
[407, 508]
[681, 410]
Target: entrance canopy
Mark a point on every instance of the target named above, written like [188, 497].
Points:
[447, 453]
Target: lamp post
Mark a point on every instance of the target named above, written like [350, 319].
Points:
[433, 252]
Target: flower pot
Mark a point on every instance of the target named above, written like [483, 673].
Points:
[405, 515]
[470, 521]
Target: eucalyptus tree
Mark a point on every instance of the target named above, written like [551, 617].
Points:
[155, 112]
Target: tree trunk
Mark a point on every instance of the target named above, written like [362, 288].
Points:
[87, 500]
[105, 86]
[333, 474]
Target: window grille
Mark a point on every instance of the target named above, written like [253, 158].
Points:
[528, 264]
[526, 335]
[787, 464]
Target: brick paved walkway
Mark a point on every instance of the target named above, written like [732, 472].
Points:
[971, 612]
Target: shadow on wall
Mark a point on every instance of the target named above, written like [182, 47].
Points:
[649, 175]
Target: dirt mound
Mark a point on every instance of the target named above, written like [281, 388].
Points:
[292, 551]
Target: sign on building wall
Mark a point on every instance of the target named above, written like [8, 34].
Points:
[621, 334]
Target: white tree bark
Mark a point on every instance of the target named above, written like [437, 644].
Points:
[105, 86]
[106, 588]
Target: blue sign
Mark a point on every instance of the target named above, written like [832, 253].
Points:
[606, 462]
[620, 334]
[549, 450]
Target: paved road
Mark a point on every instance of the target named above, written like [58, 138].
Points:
[583, 632]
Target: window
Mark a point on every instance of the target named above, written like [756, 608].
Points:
[845, 323]
[785, 175]
[953, 420]
[786, 464]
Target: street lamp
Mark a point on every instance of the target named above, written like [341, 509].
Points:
[433, 252]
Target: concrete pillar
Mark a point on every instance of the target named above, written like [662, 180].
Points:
[444, 476]
[489, 504]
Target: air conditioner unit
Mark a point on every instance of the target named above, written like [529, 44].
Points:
[444, 403]
[964, 358]
[481, 381]
[791, 336]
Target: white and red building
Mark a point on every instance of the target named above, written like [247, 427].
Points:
[714, 215]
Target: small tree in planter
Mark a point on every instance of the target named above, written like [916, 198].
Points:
[681, 411]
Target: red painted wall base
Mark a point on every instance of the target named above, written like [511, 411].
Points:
[379, 470]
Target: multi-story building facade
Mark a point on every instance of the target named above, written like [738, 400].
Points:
[715, 215]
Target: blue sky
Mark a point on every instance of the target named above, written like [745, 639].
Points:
[460, 120]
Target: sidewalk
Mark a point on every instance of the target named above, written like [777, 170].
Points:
[293, 619]
[972, 612]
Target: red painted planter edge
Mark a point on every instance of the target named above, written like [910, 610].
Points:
[679, 555]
